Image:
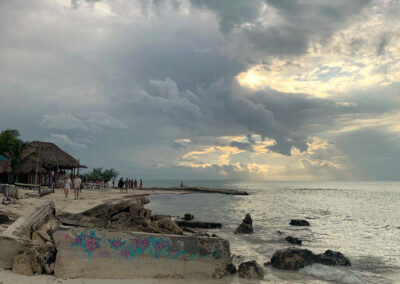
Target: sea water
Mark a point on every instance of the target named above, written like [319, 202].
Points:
[359, 219]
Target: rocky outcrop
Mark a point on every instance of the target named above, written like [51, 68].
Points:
[188, 217]
[295, 258]
[250, 270]
[198, 224]
[292, 258]
[298, 222]
[246, 227]
[231, 268]
[293, 240]
[170, 226]
[333, 258]
[4, 218]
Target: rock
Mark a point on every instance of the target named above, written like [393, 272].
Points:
[247, 219]
[250, 270]
[268, 263]
[186, 229]
[139, 211]
[292, 258]
[298, 222]
[188, 217]
[4, 218]
[293, 240]
[30, 262]
[295, 258]
[231, 268]
[333, 258]
[22, 264]
[198, 224]
[246, 227]
[170, 226]
[121, 217]
[45, 233]
[82, 221]
[49, 268]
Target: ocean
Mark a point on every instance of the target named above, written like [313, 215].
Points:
[359, 219]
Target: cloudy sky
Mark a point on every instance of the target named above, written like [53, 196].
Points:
[262, 89]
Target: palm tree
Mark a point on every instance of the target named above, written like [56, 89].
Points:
[15, 156]
[8, 138]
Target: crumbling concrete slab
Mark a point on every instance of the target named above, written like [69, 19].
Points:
[18, 235]
[98, 253]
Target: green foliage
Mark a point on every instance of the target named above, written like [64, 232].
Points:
[12, 147]
[98, 173]
[8, 139]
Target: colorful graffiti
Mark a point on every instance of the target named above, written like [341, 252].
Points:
[116, 243]
[89, 242]
[132, 247]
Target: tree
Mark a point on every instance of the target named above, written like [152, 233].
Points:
[8, 138]
[98, 173]
[15, 156]
[109, 174]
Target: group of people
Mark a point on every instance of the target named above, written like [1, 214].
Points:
[129, 183]
[75, 184]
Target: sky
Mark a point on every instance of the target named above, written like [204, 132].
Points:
[204, 89]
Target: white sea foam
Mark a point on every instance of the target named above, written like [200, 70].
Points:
[331, 274]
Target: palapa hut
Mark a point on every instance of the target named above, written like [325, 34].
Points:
[39, 161]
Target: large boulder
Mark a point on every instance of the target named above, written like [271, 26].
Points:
[298, 222]
[246, 227]
[292, 258]
[295, 258]
[231, 268]
[250, 270]
[293, 240]
[333, 258]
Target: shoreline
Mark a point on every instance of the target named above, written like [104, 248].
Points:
[89, 199]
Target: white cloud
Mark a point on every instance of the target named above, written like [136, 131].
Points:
[64, 141]
[63, 121]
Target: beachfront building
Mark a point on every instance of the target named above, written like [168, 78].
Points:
[41, 163]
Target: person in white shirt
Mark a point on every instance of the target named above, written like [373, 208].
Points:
[77, 186]
[67, 186]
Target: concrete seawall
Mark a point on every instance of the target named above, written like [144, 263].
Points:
[16, 237]
[98, 253]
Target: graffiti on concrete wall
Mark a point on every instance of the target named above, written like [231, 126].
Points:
[133, 247]
[89, 242]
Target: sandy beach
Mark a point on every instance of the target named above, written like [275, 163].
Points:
[87, 199]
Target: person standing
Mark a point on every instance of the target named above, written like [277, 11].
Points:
[67, 186]
[141, 184]
[135, 183]
[77, 186]
[126, 185]
[121, 184]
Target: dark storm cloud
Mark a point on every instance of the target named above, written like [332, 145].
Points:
[298, 21]
[374, 151]
[108, 87]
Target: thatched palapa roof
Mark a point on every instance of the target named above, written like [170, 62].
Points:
[42, 156]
